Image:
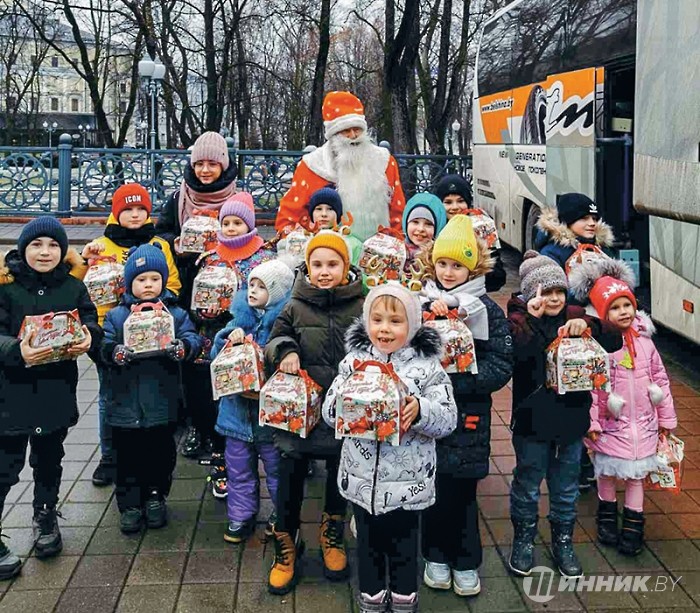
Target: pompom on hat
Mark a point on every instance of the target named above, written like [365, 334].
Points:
[541, 270]
[42, 226]
[341, 111]
[457, 242]
[128, 195]
[210, 146]
[277, 277]
[409, 299]
[145, 258]
[583, 278]
[330, 240]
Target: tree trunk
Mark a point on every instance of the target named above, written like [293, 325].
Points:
[314, 135]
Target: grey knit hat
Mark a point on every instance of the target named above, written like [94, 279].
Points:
[409, 300]
[537, 270]
[277, 277]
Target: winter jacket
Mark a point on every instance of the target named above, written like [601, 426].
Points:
[640, 402]
[496, 279]
[40, 399]
[313, 324]
[539, 412]
[145, 392]
[238, 416]
[380, 477]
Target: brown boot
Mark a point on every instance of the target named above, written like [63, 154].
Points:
[284, 573]
[335, 560]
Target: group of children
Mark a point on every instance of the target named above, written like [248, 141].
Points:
[319, 318]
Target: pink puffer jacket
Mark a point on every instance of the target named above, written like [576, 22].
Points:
[629, 417]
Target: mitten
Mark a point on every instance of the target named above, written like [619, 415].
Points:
[176, 350]
[122, 355]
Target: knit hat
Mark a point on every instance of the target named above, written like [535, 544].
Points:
[43, 226]
[416, 208]
[277, 277]
[128, 195]
[608, 289]
[241, 205]
[330, 240]
[145, 258]
[453, 184]
[572, 207]
[342, 110]
[409, 300]
[210, 146]
[458, 242]
[537, 270]
[329, 196]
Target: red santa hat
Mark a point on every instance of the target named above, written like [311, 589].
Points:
[342, 110]
[608, 289]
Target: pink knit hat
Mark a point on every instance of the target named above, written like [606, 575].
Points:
[241, 205]
[210, 146]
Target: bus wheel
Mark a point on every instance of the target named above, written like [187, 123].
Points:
[530, 230]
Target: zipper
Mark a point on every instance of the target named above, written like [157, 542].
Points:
[633, 411]
[374, 479]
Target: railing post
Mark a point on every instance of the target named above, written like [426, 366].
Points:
[65, 147]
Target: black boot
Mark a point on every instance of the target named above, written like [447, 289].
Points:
[47, 536]
[10, 564]
[632, 533]
[607, 522]
[563, 550]
[522, 553]
[104, 473]
[156, 510]
[191, 443]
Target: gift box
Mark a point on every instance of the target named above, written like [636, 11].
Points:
[149, 329]
[484, 227]
[199, 234]
[237, 369]
[104, 280]
[296, 242]
[291, 402]
[57, 330]
[577, 365]
[368, 404]
[214, 288]
[669, 456]
[585, 252]
[383, 255]
[459, 354]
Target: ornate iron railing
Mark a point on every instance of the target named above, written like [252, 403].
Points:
[67, 180]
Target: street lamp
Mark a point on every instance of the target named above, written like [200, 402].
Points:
[50, 128]
[455, 129]
[84, 130]
[154, 71]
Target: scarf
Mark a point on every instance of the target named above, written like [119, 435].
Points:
[195, 196]
[629, 335]
[466, 298]
[239, 247]
[130, 238]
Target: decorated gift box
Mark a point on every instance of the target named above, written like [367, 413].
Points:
[296, 242]
[368, 404]
[291, 402]
[57, 330]
[214, 288]
[577, 365]
[149, 329]
[459, 354]
[383, 255]
[669, 456]
[237, 369]
[585, 252]
[485, 227]
[199, 234]
[105, 280]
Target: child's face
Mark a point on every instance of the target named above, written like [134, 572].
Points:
[621, 312]
[585, 227]
[207, 171]
[257, 294]
[326, 268]
[133, 217]
[232, 226]
[420, 231]
[324, 216]
[43, 254]
[147, 285]
[554, 301]
[450, 273]
[454, 205]
[388, 328]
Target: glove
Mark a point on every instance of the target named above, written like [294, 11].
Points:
[176, 350]
[122, 355]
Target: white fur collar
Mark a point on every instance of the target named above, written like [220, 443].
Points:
[560, 233]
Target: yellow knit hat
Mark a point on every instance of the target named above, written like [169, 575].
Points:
[330, 240]
[457, 242]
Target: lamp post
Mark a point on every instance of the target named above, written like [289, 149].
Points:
[50, 128]
[84, 131]
[455, 131]
[154, 71]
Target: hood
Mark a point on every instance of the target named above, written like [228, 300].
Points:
[484, 263]
[582, 278]
[560, 233]
[303, 290]
[426, 342]
[644, 325]
[247, 317]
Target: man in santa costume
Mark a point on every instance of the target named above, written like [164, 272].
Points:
[365, 175]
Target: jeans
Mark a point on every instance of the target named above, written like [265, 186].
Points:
[537, 460]
[105, 429]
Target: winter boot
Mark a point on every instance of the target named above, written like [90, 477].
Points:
[607, 522]
[522, 553]
[335, 560]
[402, 603]
[156, 510]
[104, 473]
[10, 564]
[563, 550]
[379, 603]
[632, 533]
[239, 531]
[217, 476]
[131, 520]
[284, 573]
[47, 536]
[191, 443]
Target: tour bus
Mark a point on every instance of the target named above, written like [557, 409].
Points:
[598, 97]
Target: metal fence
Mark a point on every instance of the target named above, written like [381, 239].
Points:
[68, 180]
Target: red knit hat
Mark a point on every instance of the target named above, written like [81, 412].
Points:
[606, 290]
[128, 195]
[342, 110]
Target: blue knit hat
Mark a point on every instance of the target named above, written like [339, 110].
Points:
[145, 258]
[43, 226]
[329, 196]
[426, 201]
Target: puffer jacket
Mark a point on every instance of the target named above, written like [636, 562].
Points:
[629, 417]
[313, 324]
[380, 477]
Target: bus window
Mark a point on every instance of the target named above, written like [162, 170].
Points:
[495, 54]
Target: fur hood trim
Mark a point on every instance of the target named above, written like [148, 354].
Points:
[484, 264]
[426, 343]
[645, 326]
[582, 278]
[5, 274]
[560, 233]
[72, 258]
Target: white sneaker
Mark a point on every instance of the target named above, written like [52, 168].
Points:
[466, 582]
[437, 576]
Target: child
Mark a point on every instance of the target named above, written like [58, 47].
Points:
[625, 423]
[308, 334]
[547, 427]
[142, 394]
[388, 485]
[129, 225]
[451, 541]
[253, 312]
[423, 219]
[38, 404]
[456, 196]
